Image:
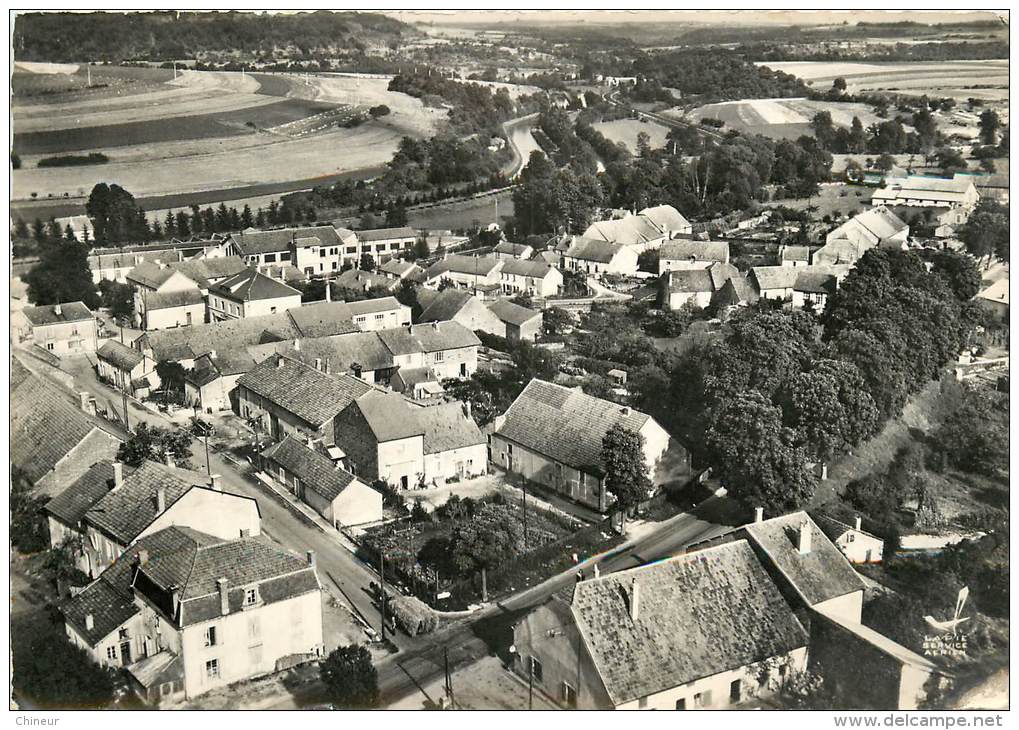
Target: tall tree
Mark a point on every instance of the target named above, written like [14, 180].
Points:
[626, 470]
[989, 125]
[155, 444]
[350, 678]
[62, 275]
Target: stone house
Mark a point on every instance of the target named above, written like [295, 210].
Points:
[124, 367]
[681, 255]
[382, 439]
[456, 305]
[534, 278]
[478, 274]
[62, 329]
[598, 257]
[510, 250]
[878, 226]
[699, 287]
[453, 445]
[250, 294]
[858, 545]
[520, 323]
[185, 612]
[794, 256]
[165, 297]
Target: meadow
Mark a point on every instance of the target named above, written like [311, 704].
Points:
[780, 118]
[626, 131]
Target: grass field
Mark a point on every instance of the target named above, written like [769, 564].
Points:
[467, 214]
[180, 138]
[781, 118]
[947, 78]
[626, 131]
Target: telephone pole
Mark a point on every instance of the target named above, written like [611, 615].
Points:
[382, 599]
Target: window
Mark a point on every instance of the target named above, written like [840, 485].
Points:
[210, 636]
[251, 596]
[681, 703]
[351, 249]
[322, 253]
[245, 532]
[111, 653]
[122, 634]
[536, 669]
[642, 703]
[702, 699]
[851, 537]
[735, 691]
[285, 256]
[440, 356]
[272, 310]
[270, 258]
[394, 247]
[49, 345]
[380, 248]
[361, 319]
[283, 474]
[379, 317]
[569, 695]
[212, 669]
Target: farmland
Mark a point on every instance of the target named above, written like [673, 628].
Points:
[208, 132]
[781, 118]
[958, 79]
[626, 131]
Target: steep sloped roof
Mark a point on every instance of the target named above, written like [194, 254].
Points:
[512, 313]
[120, 355]
[82, 494]
[447, 427]
[593, 249]
[153, 274]
[697, 615]
[389, 416]
[444, 305]
[666, 218]
[47, 314]
[251, 286]
[565, 424]
[316, 471]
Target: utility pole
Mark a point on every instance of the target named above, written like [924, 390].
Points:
[382, 599]
[127, 425]
[449, 677]
[523, 485]
[88, 68]
[530, 683]
[208, 468]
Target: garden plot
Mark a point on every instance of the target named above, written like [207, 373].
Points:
[626, 131]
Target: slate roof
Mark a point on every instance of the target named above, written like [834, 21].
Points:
[250, 286]
[119, 355]
[447, 427]
[682, 250]
[389, 416]
[512, 313]
[565, 424]
[699, 614]
[316, 471]
[302, 390]
[127, 510]
[444, 305]
[82, 494]
[593, 249]
[386, 234]
[819, 575]
[536, 269]
[470, 265]
[47, 314]
[171, 299]
[45, 425]
[510, 248]
[251, 242]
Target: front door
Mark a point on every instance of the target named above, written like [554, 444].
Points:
[125, 653]
[404, 482]
[274, 426]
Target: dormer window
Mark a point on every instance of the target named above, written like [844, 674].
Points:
[250, 596]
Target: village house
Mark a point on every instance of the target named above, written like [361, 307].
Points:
[991, 187]
[449, 349]
[209, 384]
[401, 270]
[250, 294]
[456, 305]
[283, 396]
[534, 278]
[858, 545]
[385, 243]
[372, 315]
[794, 256]
[597, 257]
[453, 445]
[994, 299]
[123, 367]
[878, 226]
[185, 612]
[477, 274]
[418, 384]
[552, 435]
[636, 639]
[510, 250]
[812, 289]
[520, 323]
[916, 191]
[646, 230]
[365, 282]
[165, 297]
[779, 283]
[317, 480]
[699, 287]
[62, 329]
[141, 501]
[55, 434]
[312, 250]
[116, 262]
[682, 255]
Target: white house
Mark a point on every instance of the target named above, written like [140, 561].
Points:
[165, 297]
[535, 278]
[919, 191]
[598, 257]
[250, 294]
[123, 367]
[63, 329]
[852, 541]
[479, 274]
[682, 255]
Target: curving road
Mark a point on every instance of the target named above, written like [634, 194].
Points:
[523, 143]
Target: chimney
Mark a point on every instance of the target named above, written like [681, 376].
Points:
[309, 440]
[214, 483]
[467, 410]
[635, 600]
[329, 292]
[160, 500]
[168, 459]
[311, 558]
[279, 362]
[804, 538]
[318, 363]
[143, 556]
[174, 598]
[89, 622]
[326, 369]
[297, 345]
[224, 596]
[86, 402]
[211, 354]
[626, 410]
[435, 325]
[118, 474]
[57, 310]
[759, 514]
[857, 523]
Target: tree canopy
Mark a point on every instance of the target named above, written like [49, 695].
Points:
[155, 444]
[350, 677]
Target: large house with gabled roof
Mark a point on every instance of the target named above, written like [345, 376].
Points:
[250, 294]
[61, 329]
[596, 256]
[184, 612]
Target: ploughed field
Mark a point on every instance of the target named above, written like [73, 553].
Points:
[199, 131]
[780, 118]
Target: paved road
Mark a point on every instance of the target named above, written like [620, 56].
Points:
[337, 567]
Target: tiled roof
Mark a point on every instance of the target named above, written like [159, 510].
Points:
[880, 221]
[81, 495]
[996, 292]
[47, 314]
[389, 416]
[320, 319]
[444, 305]
[698, 615]
[302, 390]
[372, 306]
[400, 268]
[316, 471]
[204, 271]
[385, 234]
[815, 282]
[340, 352]
[795, 253]
[436, 336]
[512, 313]
[250, 286]
[666, 218]
[364, 281]
[172, 299]
[447, 427]
[109, 607]
[838, 251]
[470, 265]
[251, 242]
[183, 343]
[593, 249]
[127, 510]
[819, 575]
[774, 277]
[413, 376]
[628, 231]
[535, 269]
[689, 280]
[681, 250]
[513, 249]
[152, 274]
[120, 355]
[565, 424]
[45, 426]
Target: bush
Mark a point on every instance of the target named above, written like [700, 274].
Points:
[92, 158]
[411, 614]
[53, 673]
